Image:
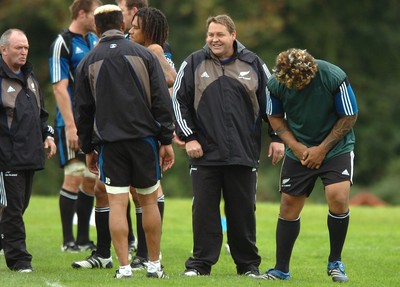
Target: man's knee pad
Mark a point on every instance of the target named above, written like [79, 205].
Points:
[117, 189]
[149, 190]
[76, 168]
[89, 174]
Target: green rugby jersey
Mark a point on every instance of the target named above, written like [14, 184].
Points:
[312, 112]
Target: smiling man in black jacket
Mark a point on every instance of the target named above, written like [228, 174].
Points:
[219, 101]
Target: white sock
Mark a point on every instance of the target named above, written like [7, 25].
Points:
[154, 266]
[125, 270]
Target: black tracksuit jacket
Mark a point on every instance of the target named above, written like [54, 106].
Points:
[221, 105]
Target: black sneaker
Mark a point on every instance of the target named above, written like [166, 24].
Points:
[139, 263]
[158, 274]
[132, 246]
[23, 269]
[90, 246]
[94, 261]
[252, 273]
[70, 247]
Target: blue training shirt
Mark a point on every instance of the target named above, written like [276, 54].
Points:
[65, 57]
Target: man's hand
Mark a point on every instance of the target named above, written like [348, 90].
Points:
[276, 151]
[313, 157]
[50, 146]
[194, 149]
[166, 157]
[91, 162]
[180, 144]
[72, 137]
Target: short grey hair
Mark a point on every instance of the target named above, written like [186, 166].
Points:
[5, 37]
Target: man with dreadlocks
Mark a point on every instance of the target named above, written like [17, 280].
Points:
[149, 28]
[313, 109]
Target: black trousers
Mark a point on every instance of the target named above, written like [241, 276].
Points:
[237, 185]
[18, 187]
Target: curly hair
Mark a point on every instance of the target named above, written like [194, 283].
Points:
[295, 68]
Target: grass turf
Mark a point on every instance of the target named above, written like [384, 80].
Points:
[370, 253]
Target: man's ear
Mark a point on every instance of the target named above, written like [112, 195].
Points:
[81, 13]
[123, 26]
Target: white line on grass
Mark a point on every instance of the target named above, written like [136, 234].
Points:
[53, 284]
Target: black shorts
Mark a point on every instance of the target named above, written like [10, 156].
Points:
[65, 154]
[130, 163]
[296, 179]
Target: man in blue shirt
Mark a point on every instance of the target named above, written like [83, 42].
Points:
[76, 192]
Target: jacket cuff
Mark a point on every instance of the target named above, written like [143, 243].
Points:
[48, 132]
[276, 138]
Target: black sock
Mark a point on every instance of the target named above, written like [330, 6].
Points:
[131, 237]
[67, 204]
[103, 231]
[337, 226]
[84, 207]
[160, 203]
[286, 235]
[142, 246]
[141, 236]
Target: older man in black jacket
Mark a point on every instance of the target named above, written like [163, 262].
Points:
[24, 134]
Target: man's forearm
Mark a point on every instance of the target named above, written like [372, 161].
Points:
[339, 130]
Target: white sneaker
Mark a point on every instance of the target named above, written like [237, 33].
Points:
[94, 261]
[121, 276]
[191, 273]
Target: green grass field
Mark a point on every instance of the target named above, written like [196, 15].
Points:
[371, 253]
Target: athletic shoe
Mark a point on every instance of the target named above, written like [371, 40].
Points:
[94, 261]
[139, 263]
[87, 247]
[336, 271]
[227, 248]
[121, 276]
[23, 269]
[133, 246]
[275, 274]
[252, 273]
[70, 247]
[1, 252]
[191, 273]
[158, 274]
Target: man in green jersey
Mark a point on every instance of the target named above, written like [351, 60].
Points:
[313, 109]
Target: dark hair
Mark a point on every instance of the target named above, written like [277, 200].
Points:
[108, 21]
[85, 5]
[154, 25]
